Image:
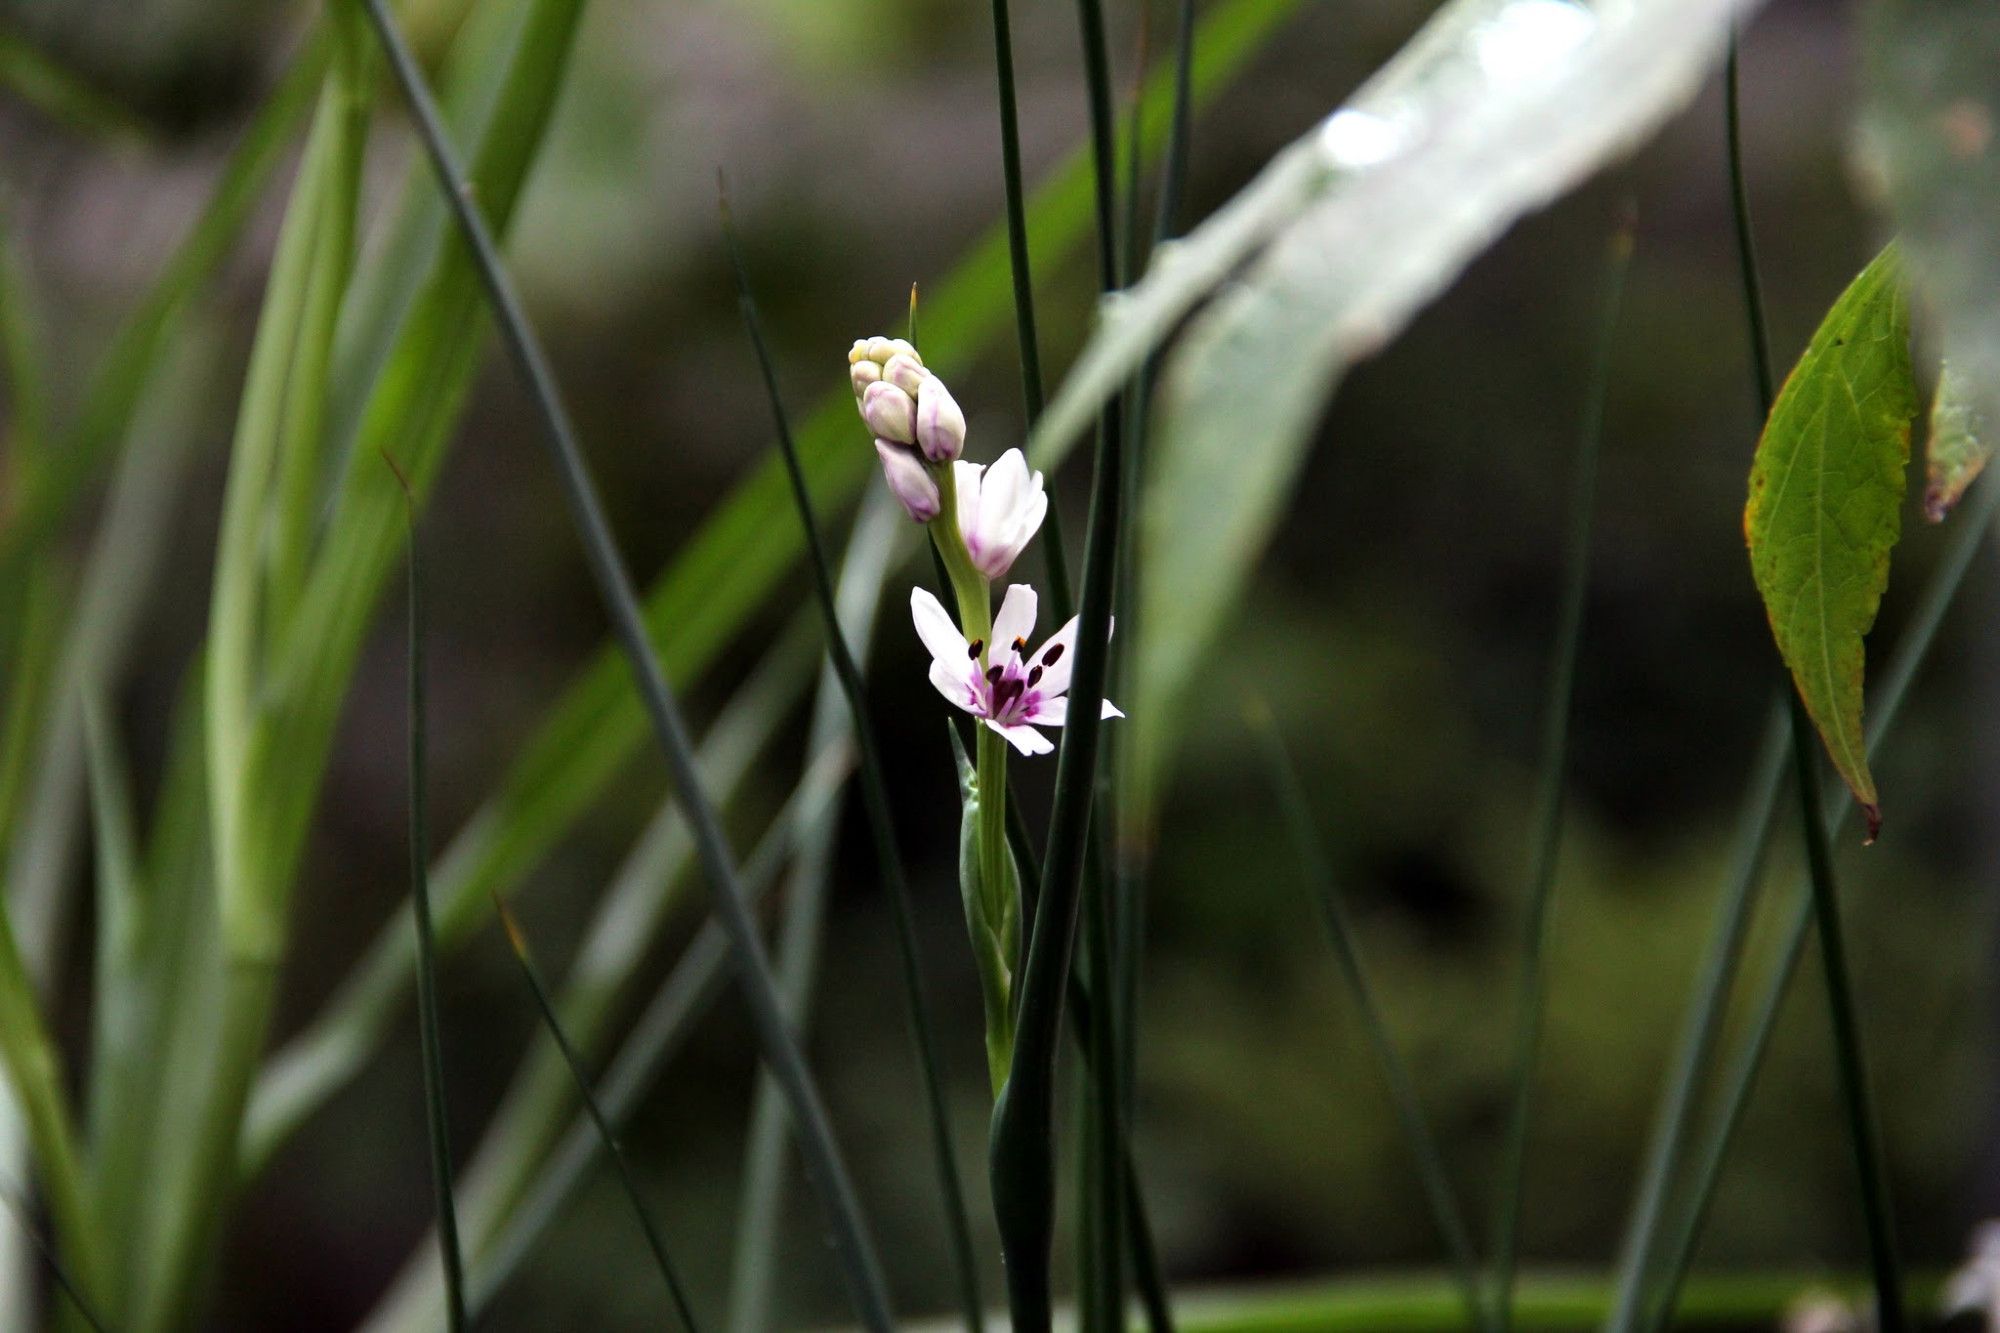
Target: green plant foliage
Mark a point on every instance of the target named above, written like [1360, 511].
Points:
[1826, 491]
[1359, 222]
[1928, 135]
[1959, 444]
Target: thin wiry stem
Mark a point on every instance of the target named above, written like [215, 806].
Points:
[1977, 516]
[420, 904]
[823, 1162]
[612, 1148]
[1559, 704]
[1317, 873]
[1876, 1208]
[875, 797]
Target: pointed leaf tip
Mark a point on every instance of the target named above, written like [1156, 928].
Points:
[1824, 509]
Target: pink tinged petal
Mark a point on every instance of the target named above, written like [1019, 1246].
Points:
[940, 634]
[957, 687]
[905, 372]
[1055, 659]
[1044, 711]
[1024, 738]
[862, 374]
[889, 412]
[969, 479]
[1015, 621]
[940, 423]
[909, 481]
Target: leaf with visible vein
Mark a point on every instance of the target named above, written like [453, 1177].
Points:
[1826, 492]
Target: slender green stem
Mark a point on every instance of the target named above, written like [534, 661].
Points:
[1017, 214]
[1876, 1206]
[1532, 999]
[1975, 520]
[1702, 1029]
[875, 797]
[1446, 1214]
[676, 1291]
[58, 1271]
[435, 1117]
[823, 1161]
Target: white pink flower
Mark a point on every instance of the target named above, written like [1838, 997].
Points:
[1016, 691]
[1000, 508]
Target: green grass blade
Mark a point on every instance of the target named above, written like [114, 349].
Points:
[695, 983]
[1446, 1214]
[1532, 997]
[24, 1218]
[875, 797]
[153, 328]
[23, 367]
[1020, 263]
[675, 1290]
[1975, 519]
[824, 1164]
[58, 92]
[704, 598]
[435, 1117]
[1877, 1210]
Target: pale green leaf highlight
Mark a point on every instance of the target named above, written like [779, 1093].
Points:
[1959, 444]
[1825, 508]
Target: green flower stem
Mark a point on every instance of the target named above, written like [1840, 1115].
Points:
[998, 882]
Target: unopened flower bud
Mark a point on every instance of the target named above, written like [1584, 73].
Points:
[890, 413]
[863, 373]
[909, 481]
[858, 352]
[940, 423]
[905, 372]
[880, 350]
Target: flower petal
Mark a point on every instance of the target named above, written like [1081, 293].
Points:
[1111, 710]
[1046, 712]
[1015, 621]
[969, 480]
[1025, 739]
[956, 688]
[940, 633]
[1004, 490]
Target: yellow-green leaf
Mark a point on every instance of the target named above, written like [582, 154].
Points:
[1959, 444]
[1825, 509]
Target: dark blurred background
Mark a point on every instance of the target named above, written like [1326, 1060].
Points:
[1399, 629]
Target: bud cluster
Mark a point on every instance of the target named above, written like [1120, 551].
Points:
[916, 422]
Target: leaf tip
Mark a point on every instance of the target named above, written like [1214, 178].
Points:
[1871, 813]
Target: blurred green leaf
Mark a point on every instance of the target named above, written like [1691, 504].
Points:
[45, 83]
[1494, 108]
[695, 608]
[1928, 138]
[1959, 444]
[1826, 491]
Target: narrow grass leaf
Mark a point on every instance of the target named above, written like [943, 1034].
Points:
[24, 1218]
[61, 93]
[1826, 492]
[874, 788]
[1317, 874]
[436, 1118]
[1892, 380]
[823, 1161]
[1557, 706]
[532, 975]
[705, 597]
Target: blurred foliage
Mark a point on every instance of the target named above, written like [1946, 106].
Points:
[1399, 628]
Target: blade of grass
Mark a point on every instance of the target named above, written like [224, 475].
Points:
[675, 1290]
[695, 983]
[874, 793]
[24, 1218]
[1876, 1207]
[1023, 1141]
[62, 94]
[823, 1161]
[1702, 1029]
[1531, 1001]
[1975, 518]
[1317, 871]
[1145, 1254]
[49, 494]
[23, 367]
[704, 597]
[1019, 262]
[436, 1120]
